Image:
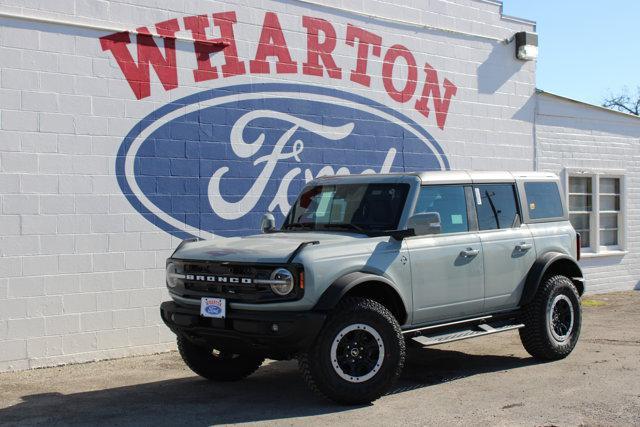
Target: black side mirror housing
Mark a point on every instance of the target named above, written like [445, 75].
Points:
[426, 224]
[403, 234]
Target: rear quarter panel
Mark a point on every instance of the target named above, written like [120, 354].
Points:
[558, 236]
[549, 235]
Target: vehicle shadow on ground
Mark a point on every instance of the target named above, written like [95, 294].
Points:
[275, 392]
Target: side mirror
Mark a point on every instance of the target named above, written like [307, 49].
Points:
[268, 223]
[403, 234]
[425, 223]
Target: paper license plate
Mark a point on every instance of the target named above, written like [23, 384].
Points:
[213, 307]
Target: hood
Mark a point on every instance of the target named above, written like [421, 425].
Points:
[261, 248]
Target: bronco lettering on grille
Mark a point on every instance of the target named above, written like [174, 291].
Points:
[219, 279]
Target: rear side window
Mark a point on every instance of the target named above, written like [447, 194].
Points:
[447, 200]
[496, 206]
[543, 200]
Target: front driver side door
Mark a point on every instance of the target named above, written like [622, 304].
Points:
[447, 269]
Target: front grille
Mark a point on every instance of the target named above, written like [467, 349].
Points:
[232, 281]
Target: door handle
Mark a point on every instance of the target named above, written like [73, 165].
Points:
[469, 253]
[523, 247]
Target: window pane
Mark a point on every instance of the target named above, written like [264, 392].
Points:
[450, 202]
[585, 239]
[580, 203]
[334, 207]
[544, 200]
[610, 185]
[609, 238]
[497, 206]
[608, 221]
[579, 184]
[609, 203]
[580, 222]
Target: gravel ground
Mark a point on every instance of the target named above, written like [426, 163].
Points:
[487, 381]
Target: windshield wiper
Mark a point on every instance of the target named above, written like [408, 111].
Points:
[347, 226]
[313, 226]
[302, 225]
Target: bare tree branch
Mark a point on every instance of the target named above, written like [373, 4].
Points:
[624, 102]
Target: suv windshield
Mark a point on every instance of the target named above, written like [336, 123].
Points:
[355, 207]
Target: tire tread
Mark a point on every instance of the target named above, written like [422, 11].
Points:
[348, 307]
[534, 335]
[199, 363]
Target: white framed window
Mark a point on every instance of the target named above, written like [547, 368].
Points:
[596, 201]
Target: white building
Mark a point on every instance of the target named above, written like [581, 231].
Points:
[115, 144]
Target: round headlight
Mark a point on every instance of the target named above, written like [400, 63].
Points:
[285, 279]
[173, 275]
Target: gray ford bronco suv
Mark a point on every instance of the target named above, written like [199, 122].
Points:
[365, 265]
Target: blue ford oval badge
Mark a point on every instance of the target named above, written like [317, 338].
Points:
[212, 163]
[213, 310]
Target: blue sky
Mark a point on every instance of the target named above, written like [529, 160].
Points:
[588, 48]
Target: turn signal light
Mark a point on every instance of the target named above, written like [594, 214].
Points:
[301, 280]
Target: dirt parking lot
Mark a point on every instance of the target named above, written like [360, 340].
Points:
[488, 381]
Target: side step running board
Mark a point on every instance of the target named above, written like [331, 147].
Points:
[434, 338]
[446, 325]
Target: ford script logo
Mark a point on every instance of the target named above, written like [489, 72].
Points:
[213, 310]
[212, 163]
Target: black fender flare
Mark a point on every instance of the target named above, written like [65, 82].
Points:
[339, 288]
[540, 268]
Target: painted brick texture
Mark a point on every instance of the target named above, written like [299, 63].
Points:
[81, 269]
[572, 135]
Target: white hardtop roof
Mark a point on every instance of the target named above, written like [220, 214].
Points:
[481, 176]
[448, 177]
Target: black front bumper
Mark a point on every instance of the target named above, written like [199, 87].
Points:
[244, 330]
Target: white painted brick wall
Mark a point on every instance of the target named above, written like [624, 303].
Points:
[81, 271]
[572, 135]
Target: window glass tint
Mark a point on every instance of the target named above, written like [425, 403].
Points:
[609, 186]
[609, 211]
[599, 228]
[580, 206]
[447, 200]
[543, 199]
[496, 206]
[369, 207]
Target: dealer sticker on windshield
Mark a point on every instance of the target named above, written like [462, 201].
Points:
[213, 307]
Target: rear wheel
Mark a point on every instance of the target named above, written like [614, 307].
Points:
[358, 355]
[217, 365]
[552, 320]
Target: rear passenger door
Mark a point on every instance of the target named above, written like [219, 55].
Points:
[507, 244]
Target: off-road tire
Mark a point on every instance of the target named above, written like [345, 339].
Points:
[217, 367]
[537, 337]
[316, 364]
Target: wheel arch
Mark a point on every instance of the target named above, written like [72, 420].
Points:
[360, 284]
[551, 263]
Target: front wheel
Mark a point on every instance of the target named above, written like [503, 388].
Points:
[552, 320]
[217, 365]
[358, 354]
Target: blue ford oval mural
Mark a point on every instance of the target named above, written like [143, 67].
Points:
[212, 163]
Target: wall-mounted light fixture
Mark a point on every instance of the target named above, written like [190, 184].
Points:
[526, 46]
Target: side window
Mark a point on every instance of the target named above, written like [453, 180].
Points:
[543, 199]
[449, 201]
[496, 206]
